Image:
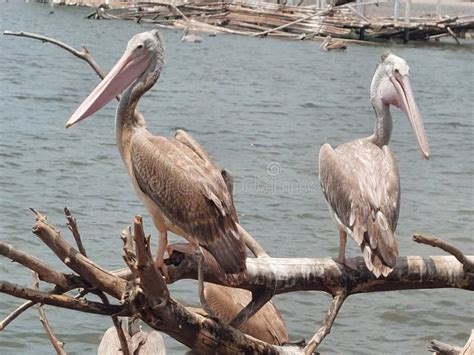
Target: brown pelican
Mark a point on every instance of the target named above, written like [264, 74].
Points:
[360, 179]
[190, 38]
[331, 45]
[176, 180]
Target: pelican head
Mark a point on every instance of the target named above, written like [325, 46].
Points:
[391, 86]
[140, 64]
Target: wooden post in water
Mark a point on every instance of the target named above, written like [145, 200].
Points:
[396, 10]
[438, 9]
[407, 10]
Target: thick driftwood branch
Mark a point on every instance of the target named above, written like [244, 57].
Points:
[45, 272]
[151, 279]
[91, 272]
[324, 274]
[440, 348]
[152, 300]
[449, 248]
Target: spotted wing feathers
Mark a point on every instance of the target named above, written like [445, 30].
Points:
[190, 191]
[361, 184]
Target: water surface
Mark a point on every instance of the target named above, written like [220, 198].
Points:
[262, 108]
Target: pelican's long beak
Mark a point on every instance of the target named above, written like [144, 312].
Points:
[408, 105]
[125, 72]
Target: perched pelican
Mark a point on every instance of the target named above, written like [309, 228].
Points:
[190, 38]
[331, 45]
[360, 179]
[226, 302]
[180, 186]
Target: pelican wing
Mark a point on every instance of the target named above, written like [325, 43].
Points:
[361, 183]
[188, 140]
[190, 191]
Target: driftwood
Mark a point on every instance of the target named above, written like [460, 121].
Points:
[440, 348]
[297, 22]
[140, 290]
[147, 295]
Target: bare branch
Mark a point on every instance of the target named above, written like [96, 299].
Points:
[259, 299]
[57, 345]
[13, 315]
[83, 54]
[252, 244]
[118, 326]
[72, 226]
[91, 272]
[45, 272]
[449, 248]
[151, 279]
[60, 300]
[331, 315]
[440, 348]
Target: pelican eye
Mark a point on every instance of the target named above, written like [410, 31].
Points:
[140, 46]
[397, 71]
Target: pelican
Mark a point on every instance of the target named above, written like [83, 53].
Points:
[190, 38]
[182, 189]
[226, 302]
[330, 45]
[360, 179]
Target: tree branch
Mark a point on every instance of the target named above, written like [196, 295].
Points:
[15, 313]
[283, 275]
[45, 272]
[72, 226]
[331, 315]
[91, 272]
[449, 248]
[57, 345]
[259, 299]
[83, 54]
[60, 300]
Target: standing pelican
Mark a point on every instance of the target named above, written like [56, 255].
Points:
[180, 186]
[360, 179]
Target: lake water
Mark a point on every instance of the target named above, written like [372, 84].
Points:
[262, 108]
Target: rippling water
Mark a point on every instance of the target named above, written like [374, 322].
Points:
[262, 108]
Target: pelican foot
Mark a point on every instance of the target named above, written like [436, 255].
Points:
[350, 263]
[163, 269]
[185, 248]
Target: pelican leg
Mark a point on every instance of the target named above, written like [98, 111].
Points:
[202, 298]
[342, 252]
[159, 259]
[342, 247]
